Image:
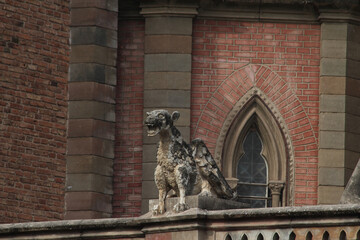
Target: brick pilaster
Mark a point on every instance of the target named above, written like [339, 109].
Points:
[167, 77]
[339, 104]
[91, 134]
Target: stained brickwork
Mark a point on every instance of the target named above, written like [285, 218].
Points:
[129, 124]
[284, 63]
[34, 60]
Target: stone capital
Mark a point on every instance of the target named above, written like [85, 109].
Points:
[276, 187]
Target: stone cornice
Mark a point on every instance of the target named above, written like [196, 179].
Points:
[168, 10]
[293, 11]
[339, 15]
[263, 15]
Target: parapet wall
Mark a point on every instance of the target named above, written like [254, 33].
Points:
[311, 222]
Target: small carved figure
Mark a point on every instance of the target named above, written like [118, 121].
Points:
[186, 169]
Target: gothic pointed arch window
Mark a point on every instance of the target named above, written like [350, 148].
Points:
[254, 152]
[252, 171]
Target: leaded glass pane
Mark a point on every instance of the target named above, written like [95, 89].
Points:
[252, 171]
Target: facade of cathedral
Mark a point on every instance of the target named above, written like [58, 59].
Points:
[272, 87]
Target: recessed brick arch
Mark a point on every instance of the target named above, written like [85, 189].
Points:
[234, 92]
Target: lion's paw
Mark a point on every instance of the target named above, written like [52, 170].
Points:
[157, 210]
[180, 207]
[205, 193]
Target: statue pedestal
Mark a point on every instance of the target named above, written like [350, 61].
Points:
[201, 202]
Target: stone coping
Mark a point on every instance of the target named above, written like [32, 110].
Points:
[312, 212]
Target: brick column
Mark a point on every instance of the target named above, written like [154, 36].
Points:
[167, 80]
[92, 80]
[339, 104]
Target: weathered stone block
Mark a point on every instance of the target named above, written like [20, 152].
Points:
[352, 142]
[89, 164]
[202, 202]
[353, 50]
[334, 31]
[185, 131]
[167, 63]
[351, 159]
[352, 123]
[331, 176]
[331, 158]
[333, 140]
[168, 44]
[353, 68]
[332, 103]
[167, 80]
[93, 36]
[149, 190]
[329, 194]
[91, 72]
[353, 105]
[91, 146]
[91, 109]
[86, 215]
[111, 5]
[332, 121]
[333, 85]
[89, 182]
[93, 54]
[88, 201]
[353, 33]
[333, 67]
[348, 173]
[167, 99]
[352, 87]
[191, 235]
[168, 25]
[94, 17]
[334, 49]
[149, 153]
[144, 206]
[91, 128]
[91, 91]
[148, 171]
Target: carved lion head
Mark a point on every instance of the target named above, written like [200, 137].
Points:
[158, 120]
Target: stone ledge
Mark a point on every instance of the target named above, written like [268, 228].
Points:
[201, 202]
[193, 219]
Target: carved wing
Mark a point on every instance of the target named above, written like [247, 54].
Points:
[208, 169]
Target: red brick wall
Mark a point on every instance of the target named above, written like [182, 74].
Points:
[286, 58]
[34, 60]
[129, 120]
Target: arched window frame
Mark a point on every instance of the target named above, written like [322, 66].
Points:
[275, 144]
[264, 198]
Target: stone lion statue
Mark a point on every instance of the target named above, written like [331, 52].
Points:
[187, 169]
